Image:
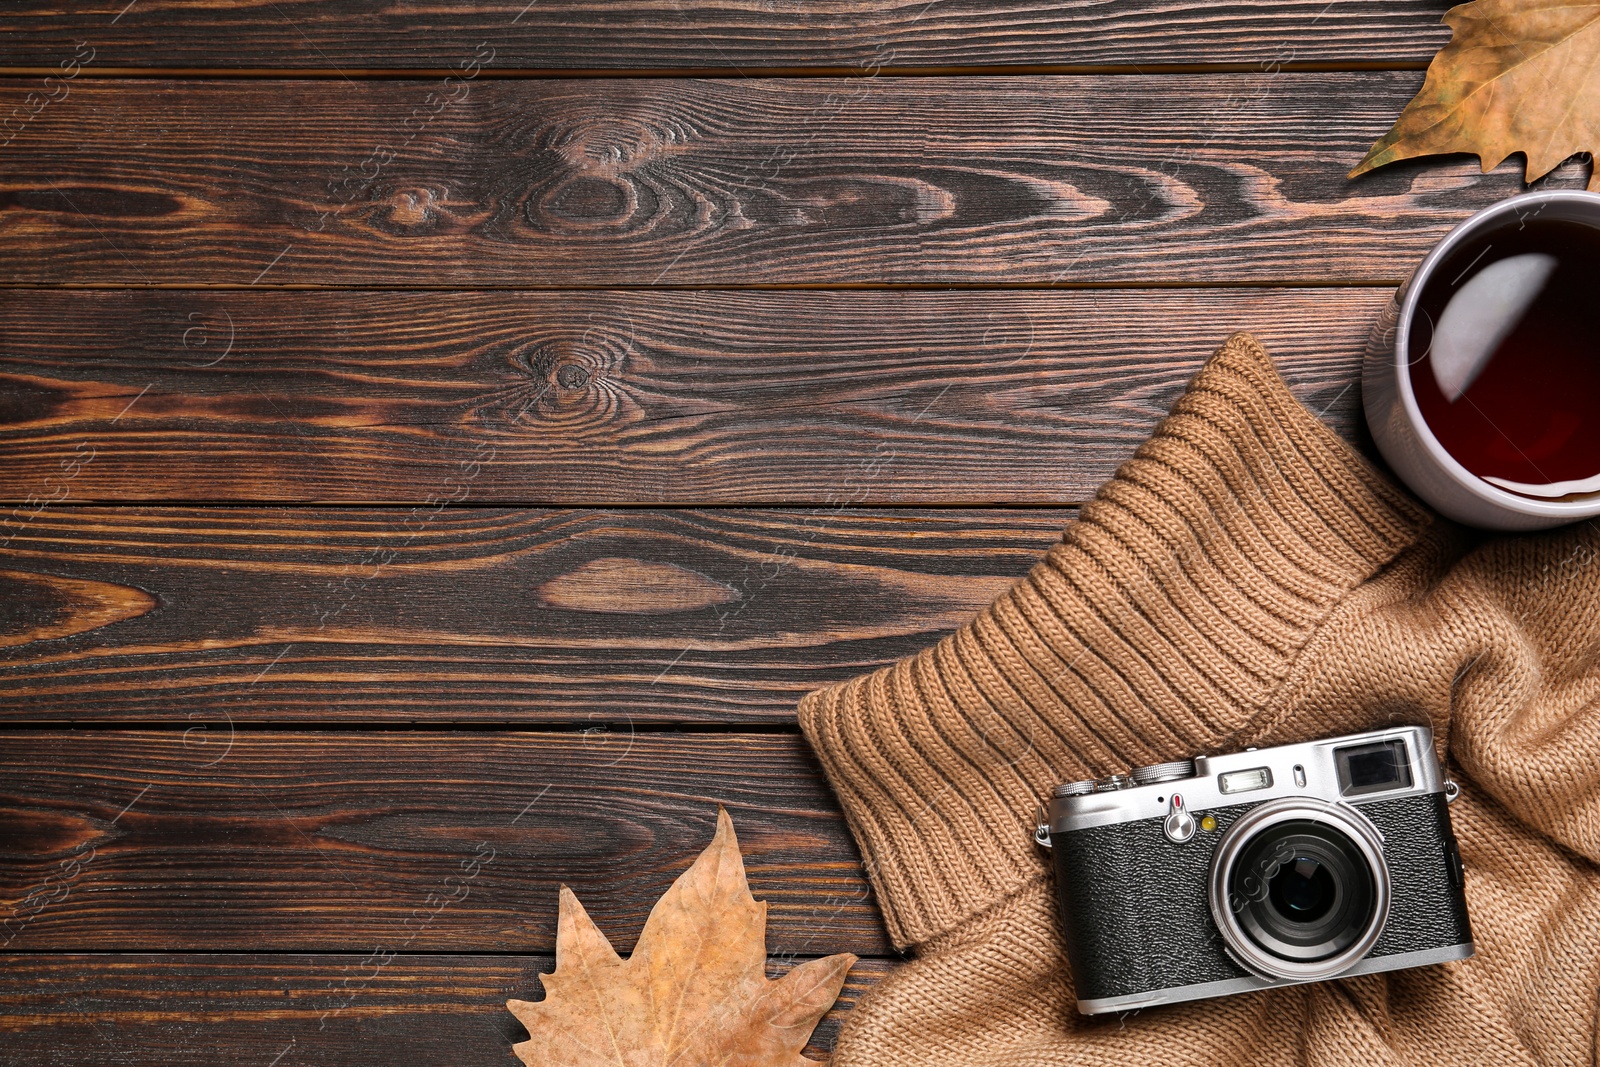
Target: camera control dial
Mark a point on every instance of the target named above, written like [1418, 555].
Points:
[1163, 772]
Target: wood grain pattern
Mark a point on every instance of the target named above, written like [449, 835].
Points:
[202, 839]
[1207, 178]
[830, 398]
[188, 1010]
[48, 607]
[655, 34]
[372, 615]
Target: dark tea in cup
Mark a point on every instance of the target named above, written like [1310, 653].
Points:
[1505, 356]
[1482, 378]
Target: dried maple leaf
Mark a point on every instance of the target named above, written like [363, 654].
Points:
[1517, 76]
[693, 994]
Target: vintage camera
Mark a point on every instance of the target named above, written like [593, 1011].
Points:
[1257, 869]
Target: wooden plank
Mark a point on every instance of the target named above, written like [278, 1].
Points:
[1205, 178]
[833, 398]
[204, 839]
[865, 35]
[180, 1009]
[582, 617]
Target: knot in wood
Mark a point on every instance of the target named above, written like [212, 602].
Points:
[604, 173]
[571, 377]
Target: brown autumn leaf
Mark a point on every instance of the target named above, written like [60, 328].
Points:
[694, 992]
[1517, 76]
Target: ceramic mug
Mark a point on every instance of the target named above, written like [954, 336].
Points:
[1401, 433]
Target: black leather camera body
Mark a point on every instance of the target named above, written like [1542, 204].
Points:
[1263, 868]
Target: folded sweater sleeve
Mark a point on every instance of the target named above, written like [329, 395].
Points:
[1160, 623]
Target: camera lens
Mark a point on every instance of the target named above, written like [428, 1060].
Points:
[1302, 890]
[1299, 888]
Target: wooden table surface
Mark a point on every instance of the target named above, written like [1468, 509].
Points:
[446, 433]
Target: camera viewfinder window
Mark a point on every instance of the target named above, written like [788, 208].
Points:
[1373, 768]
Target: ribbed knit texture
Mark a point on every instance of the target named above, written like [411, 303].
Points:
[1245, 578]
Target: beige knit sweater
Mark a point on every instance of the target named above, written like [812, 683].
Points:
[1245, 579]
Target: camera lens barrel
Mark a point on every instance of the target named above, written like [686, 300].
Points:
[1299, 889]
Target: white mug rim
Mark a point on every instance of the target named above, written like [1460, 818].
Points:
[1486, 491]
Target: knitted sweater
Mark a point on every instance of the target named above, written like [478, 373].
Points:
[1246, 578]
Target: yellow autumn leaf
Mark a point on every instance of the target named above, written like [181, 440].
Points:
[1517, 76]
[694, 993]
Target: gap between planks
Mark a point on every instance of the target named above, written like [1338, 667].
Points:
[624, 73]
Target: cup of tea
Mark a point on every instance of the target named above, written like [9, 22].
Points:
[1482, 378]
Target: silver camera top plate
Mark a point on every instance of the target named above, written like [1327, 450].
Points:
[1309, 769]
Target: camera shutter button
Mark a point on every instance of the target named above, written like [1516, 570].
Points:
[1179, 824]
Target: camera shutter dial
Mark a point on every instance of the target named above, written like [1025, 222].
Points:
[1163, 772]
